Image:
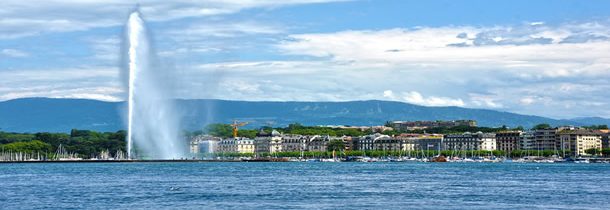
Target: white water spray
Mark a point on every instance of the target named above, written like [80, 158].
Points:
[152, 122]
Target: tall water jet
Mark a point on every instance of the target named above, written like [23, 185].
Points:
[151, 120]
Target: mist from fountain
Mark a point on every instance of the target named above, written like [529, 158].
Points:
[153, 128]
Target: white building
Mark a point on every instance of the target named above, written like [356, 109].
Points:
[268, 142]
[367, 143]
[236, 145]
[294, 143]
[578, 141]
[204, 145]
[470, 141]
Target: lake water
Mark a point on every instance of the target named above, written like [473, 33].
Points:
[304, 185]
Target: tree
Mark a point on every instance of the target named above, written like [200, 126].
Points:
[596, 127]
[28, 147]
[335, 145]
[606, 152]
[220, 130]
[541, 126]
[592, 151]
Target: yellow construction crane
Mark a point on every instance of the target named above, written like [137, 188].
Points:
[236, 125]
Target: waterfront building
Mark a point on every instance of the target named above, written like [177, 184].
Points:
[548, 139]
[605, 141]
[377, 128]
[408, 141]
[294, 143]
[387, 143]
[268, 142]
[508, 141]
[318, 143]
[245, 145]
[276, 142]
[470, 141]
[578, 141]
[429, 142]
[262, 142]
[545, 139]
[419, 125]
[349, 143]
[418, 142]
[527, 141]
[366, 143]
[228, 145]
[236, 145]
[204, 145]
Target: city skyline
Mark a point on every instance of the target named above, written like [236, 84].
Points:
[542, 58]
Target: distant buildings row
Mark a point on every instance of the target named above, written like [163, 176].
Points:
[573, 139]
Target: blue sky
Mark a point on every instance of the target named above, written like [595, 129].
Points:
[548, 58]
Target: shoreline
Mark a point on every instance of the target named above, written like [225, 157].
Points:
[589, 160]
[117, 161]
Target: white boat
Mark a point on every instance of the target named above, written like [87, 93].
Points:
[582, 161]
[330, 160]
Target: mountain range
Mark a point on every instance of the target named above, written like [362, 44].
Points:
[62, 115]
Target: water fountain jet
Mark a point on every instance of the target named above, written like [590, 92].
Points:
[152, 124]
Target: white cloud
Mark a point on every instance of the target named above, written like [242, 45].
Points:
[13, 53]
[105, 48]
[200, 31]
[100, 83]
[432, 47]
[388, 94]
[532, 69]
[102, 93]
[416, 98]
[486, 101]
[527, 100]
[24, 18]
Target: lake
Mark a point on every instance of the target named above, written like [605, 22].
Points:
[301, 185]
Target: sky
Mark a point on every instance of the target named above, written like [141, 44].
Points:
[546, 58]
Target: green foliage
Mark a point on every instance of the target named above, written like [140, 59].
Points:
[27, 146]
[541, 126]
[596, 127]
[592, 151]
[220, 130]
[234, 154]
[226, 131]
[85, 143]
[247, 133]
[335, 145]
[316, 130]
[460, 129]
[6, 137]
[606, 152]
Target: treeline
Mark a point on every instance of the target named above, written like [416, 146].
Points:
[83, 142]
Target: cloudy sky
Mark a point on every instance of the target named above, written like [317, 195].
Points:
[548, 58]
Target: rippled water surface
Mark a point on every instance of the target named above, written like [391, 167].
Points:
[304, 185]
